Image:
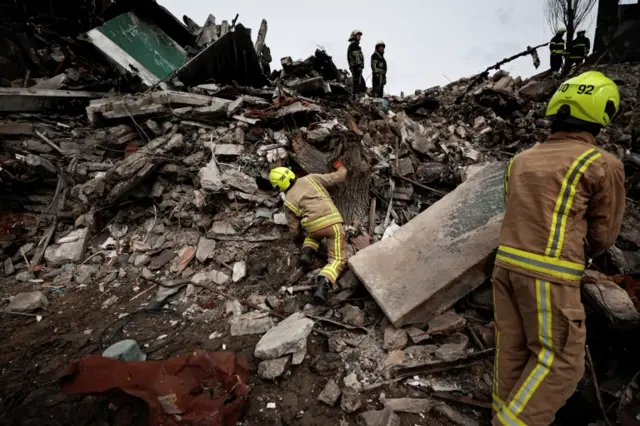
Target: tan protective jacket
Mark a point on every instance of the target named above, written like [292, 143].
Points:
[563, 198]
[308, 203]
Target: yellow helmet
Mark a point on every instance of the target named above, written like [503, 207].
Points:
[281, 178]
[590, 98]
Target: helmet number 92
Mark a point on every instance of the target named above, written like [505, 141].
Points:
[583, 89]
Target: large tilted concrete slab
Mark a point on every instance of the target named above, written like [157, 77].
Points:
[438, 257]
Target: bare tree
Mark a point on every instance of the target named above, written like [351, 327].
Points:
[568, 13]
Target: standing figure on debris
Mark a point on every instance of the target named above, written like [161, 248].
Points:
[580, 48]
[379, 70]
[308, 203]
[564, 201]
[265, 59]
[556, 46]
[356, 64]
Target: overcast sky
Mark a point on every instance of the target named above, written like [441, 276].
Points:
[426, 39]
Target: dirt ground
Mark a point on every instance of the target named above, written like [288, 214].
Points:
[74, 325]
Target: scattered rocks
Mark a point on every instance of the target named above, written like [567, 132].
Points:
[352, 315]
[84, 274]
[288, 337]
[8, 266]
[216, 277]
[330, 394]
[233, 307]
[409, 405]
[395, 338]
[455, 350]
[446, 322]
[417, 335]
[125, 350]
[385, 417]
[280, 219]
[454, 416]
[28, 302]
[239, 271]
[273, 368]
[350, 401]
[72, 250]
[298, 357]
[251, 323]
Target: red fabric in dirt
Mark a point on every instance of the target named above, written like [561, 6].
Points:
[204, 388]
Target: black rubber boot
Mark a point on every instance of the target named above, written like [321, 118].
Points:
[306, 257]
[324, 286]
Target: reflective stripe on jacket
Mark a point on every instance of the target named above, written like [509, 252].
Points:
[562, 198]
[378, 64]
[557, 45]
[580, 47]
[309, 204]
[354, 55]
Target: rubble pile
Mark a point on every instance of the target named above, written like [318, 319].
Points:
[145, 216]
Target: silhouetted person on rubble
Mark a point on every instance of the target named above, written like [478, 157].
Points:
[356, 64]
[379, 70]
[556, 46]
[580, 49]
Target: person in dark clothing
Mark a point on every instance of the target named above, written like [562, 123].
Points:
[556, 46]
[379, 70]
[580, 48]
[265, 59]
[356, 64]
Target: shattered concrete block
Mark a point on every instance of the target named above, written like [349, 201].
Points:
[614, 303]
[385, 417]
[538, 90]
[205, 249]
[405, 168]
[8, 266]
[210, 178]
[456, 237]
[395, 338]
[251, 323]
[216, 277]
[125, 350]
[233, 307]
[71, 252]
[446, 322]
[27, 302]
[330, 394]
[409, 405]
[280, 219]
[228, 149]
[351, 401]
[217, 109]
[454, 350]
[175, 98]
[236, 179]
[176, 143]
[298, 357]
[273, 368]
[222, 228]
[352, 315]
[239, 271]
[288, 337]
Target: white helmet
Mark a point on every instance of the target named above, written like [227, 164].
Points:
[561, 30]
[355, 33]
[381, 43]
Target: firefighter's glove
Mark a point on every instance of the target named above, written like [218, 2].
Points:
[337, 164]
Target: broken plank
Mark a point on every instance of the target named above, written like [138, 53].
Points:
[36, 100]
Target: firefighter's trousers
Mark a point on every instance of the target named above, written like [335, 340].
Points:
[540, 348]
[336, 250]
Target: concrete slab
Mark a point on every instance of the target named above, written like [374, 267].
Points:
[438, 257]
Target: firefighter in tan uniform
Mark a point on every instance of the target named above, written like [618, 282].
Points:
[308, 203]
[564, 201]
